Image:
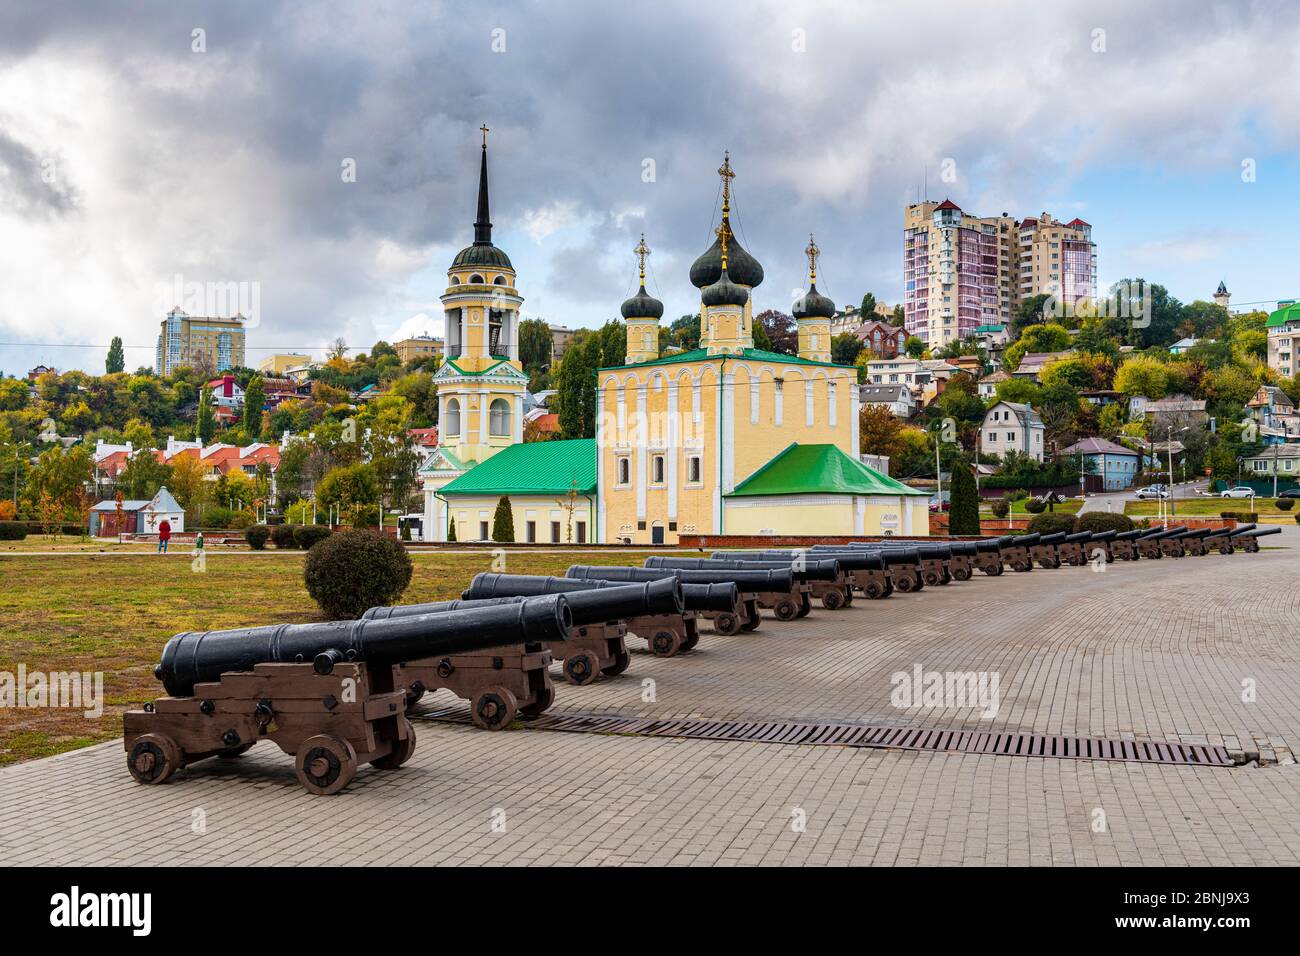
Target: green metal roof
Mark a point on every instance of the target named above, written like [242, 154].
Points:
[702, 355]
[1288, 313]
[500, 360]
[818, 469]
[990, 328]
[533, 468]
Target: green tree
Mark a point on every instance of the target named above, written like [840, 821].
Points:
[534, 346]
[1142, 375]
[116, 361]
[685, 332]
[782, 331]
[451, 528]
[351, 487]
[1030, 313]
[254, 400]
[899, 317]
[575, 383]
[867, 311]
[845, 348]
[143, 475]
[206, 421]
[964, 512]
[503, 521]
[914, 346]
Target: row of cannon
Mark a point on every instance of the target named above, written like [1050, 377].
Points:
[337, 694]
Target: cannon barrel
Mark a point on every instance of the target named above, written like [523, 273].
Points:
[808, 570]
[1055, 538]
[1257, 532]
[1239, 529]
[990, 547]
[750, 580]
[1129, 535]
[194, 657]
[592, 602]
[433, 607]
[855, 560]
[1079, 536]
[1103, 535]
[892, 554]
[1026, 540]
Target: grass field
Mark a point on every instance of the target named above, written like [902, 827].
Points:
[1209, 507]
[113, 612]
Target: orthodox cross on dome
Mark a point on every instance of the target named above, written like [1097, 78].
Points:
[484, 130]
[727, 174]
[642, 250]
[812, 252]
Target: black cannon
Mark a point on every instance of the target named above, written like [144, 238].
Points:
[705, 592]
[323, 692]
[1220, 539]
[864, 570]
[827, 579]
[903, 564]
[785, 605]
[1045, 550]
[940, 562]
[1124, 545]
[1249, 540]
[988, 555]
[1149, 544]
[655, 611]
[1083, 546]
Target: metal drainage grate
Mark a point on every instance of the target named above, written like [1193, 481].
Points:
[858, 735]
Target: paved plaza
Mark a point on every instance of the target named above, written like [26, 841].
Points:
[1153, 650]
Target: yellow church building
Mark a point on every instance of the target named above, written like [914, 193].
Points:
[723, 439]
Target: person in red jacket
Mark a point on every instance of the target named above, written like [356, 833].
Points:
[164, 535]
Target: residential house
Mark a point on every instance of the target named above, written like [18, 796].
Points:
[1184, 345]
[1274, 415]
[1101, 397]
[1175, 412]
[992, 337]
[280, 363]
[1032, 365]
[227, 399]
[1105, 465]
[988, 385]
[425, 439]
[897, 398]
[1280, 460]
[882, 339]
[1284, 339]
[1012, 426]
[136, 517]
[926, 377]
[1137, 407]
[38, 371]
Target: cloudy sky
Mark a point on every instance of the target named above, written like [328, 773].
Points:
[136, 153]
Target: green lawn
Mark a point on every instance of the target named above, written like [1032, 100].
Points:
[113, 613]
[1208, 507]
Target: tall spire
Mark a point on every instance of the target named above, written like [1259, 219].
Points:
[812, 252]
[483, 224]
[727, 174]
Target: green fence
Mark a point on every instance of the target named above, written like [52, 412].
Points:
[1263, 487]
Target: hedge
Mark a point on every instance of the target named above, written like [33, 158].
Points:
[1245, 517]
[1284, 504]
[305, 535]
[12, 531]
[282, 535]
[257, 536]
[1051, 523]
[1097, 521]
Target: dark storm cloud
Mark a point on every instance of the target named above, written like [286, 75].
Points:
[831, 113]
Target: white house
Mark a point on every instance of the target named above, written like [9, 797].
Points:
[988, 385]
[1012, 426]
[897, 398]
[138, 517]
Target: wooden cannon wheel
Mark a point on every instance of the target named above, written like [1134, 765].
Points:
[727, 623]
[545, 698]
[874, 590]
[153, 758]
[622, 659]
[665, 643]
[401, 752]
[833, 599]
[325, 764]
[581, 668]
[785, 610]
[961, 573]
[494, 709]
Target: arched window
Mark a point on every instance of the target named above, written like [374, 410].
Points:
[499, 417]
[476, 279]
[624, 471]
[452, 425]
[499, 280]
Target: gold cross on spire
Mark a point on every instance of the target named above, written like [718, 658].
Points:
[727, 174]
[642, 250]
[812, 252]
[485, 131]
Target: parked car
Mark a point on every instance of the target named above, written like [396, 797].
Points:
[1150, 491]
[1289, 493]
[1241, 491]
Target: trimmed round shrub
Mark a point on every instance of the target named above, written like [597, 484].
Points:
[282, 535]
[1285, 504]
[1000, 507]
[12, 531]
[1096, 521]
[305, 535]
[1051, 524]
[351, 571]
[1035, 506]
[257, 536]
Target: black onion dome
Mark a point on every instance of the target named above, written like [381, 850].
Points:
[744, 268]
[642, 306]
[724, 291]
[813, 305]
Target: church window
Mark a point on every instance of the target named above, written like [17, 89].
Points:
[499, 280]
[657, 469]
[624, 470]
[499, 417]
[693, 470]
[452, 425]
[476, 279]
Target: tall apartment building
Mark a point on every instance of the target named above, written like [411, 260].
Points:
[280, 363]
[961, 271]
[1284, 339]
[418, 347]
[186, 339]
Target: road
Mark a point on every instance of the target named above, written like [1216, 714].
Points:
[1114, 500]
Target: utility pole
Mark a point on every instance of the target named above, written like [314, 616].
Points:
[1169, 452]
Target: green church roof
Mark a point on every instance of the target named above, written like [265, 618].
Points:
[702, 355]
[533, 468]
[818, 469]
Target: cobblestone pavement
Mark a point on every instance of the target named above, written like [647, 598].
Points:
[1151, 650]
